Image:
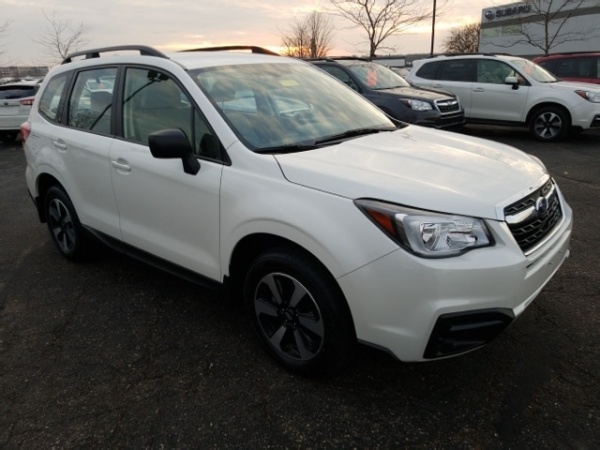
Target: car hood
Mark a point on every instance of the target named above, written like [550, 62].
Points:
[419, 167]
[418, 93]
[574, 86]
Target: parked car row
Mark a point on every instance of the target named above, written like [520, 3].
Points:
[268, 178]
[508, 90]
[394, 95]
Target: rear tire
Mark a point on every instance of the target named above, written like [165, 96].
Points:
[549, 124]
[65, 229]
[299, 313]
[8, 136]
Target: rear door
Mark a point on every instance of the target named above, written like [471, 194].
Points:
[457, 75]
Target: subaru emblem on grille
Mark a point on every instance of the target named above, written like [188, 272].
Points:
[541, 205]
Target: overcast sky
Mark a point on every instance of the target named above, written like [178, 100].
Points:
[176, 24]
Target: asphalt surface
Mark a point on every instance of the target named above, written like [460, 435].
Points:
[114, 354]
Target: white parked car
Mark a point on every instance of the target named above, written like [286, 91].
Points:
[508, 90]
[264, 175]
[16, 99]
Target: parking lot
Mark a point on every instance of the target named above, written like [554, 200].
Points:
[113, 353]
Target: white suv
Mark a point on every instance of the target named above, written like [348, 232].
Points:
[264, 175]
[508, 90]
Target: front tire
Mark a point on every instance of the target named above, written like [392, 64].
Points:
[65, 229]
[298, 312]
[549, 124]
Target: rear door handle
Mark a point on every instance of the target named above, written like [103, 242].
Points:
[59, 145]
[478, 90]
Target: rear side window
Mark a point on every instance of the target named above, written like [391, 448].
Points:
[429, 70]
[458, 70]
[90, 107]
[50, 100]
[16, 92]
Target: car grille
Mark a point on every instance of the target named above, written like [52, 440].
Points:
[447, 106]
[533, 217]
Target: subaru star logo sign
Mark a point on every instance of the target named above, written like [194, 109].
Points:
[541, 205]
[507, 12]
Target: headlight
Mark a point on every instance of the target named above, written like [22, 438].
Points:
[419, 105]
[426, 233]
[593, 97]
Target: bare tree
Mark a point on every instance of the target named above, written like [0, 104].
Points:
[3, 29]
[382, 19]
[546, 25]
[464, 39]
[309, 37]
[61, 37]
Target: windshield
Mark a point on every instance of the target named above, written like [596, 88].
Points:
[377, 76]
[287, 105]
[532, 70]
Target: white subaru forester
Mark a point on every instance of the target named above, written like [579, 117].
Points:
[264, 175]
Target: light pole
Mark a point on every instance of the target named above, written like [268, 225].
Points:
[433, 28]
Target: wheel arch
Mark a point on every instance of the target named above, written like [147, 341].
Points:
[251, 246]
[43, 183]
[546, 104]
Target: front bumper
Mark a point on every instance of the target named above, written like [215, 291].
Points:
[419, 308]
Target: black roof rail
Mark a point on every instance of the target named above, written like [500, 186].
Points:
[473, 53]
[339, 58]
[95, 53]
[252, 48]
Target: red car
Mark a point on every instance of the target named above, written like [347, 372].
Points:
[573, 66]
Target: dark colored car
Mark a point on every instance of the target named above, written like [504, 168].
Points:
[573, 66]
[394, 95]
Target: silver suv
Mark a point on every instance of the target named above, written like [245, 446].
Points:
[508, 90]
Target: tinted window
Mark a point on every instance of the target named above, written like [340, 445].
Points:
[50, 100]
[340, 74]
[429, 70]
[90, 106]
[8, 92]
[575, 68]
[458, 70]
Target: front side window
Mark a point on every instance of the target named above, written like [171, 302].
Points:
[90, 106]
[153, 101]
[340, 74]
[493, 72]
[51, 96]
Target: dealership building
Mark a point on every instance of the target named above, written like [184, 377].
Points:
[575, 21]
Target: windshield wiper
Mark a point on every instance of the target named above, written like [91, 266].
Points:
[352, 133]
[288, 148]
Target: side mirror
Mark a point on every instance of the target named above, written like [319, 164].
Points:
[173, 144]
[512, 80]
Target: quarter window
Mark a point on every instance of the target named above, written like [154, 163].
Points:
[50, 100]
[429, 70]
